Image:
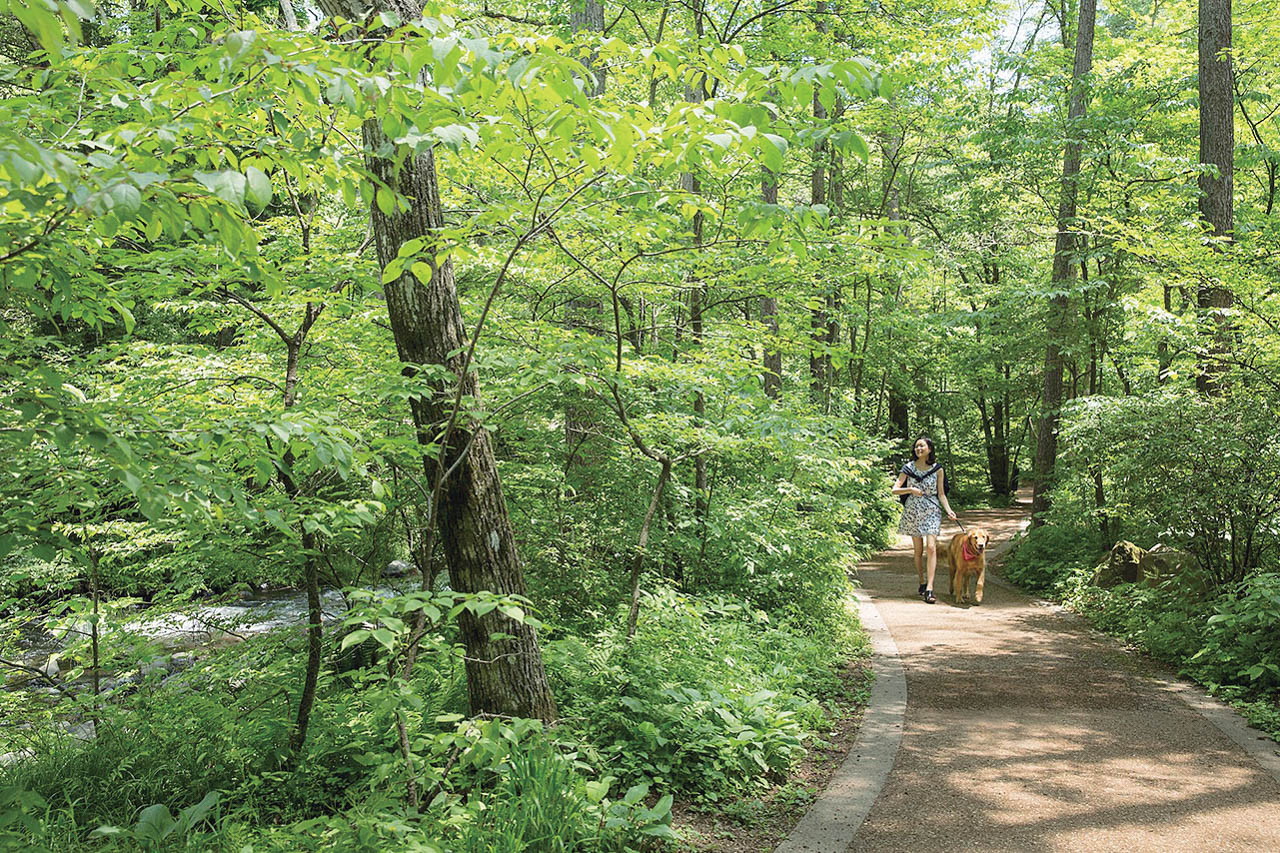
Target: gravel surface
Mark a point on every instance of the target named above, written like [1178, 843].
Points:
[1026, 730]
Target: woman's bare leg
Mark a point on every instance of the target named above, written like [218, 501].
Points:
[931, 547]
[917, 544]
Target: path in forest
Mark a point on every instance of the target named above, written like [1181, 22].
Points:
[1026, 730]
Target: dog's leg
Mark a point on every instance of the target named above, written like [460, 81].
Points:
[982, 579]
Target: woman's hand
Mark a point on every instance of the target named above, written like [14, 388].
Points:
[951, 514]
[915, 490]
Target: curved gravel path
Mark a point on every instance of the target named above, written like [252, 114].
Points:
[1025, 730]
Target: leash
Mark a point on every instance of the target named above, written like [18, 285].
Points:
[963, 529]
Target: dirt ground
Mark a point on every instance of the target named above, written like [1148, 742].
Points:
[1026, 730]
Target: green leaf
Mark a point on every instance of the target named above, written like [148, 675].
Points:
[355, 637]
[386, 202]
[226, 184]
[635, 794]
[457, 136]
[258, 187]
[772, 148]
[154, 824]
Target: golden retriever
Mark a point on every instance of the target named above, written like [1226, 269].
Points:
[967, 557]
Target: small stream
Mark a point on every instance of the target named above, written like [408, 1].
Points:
[180, 632]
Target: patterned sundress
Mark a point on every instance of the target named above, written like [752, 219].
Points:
[921, 516]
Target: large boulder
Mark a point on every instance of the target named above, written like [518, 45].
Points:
[1123, 565]
[1164, 566]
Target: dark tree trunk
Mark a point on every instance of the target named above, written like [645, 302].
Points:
[1217, 149]
[999, 457]
[504, 676]
[1064, 265]
[899, 415]
[1164, 360]
[769, 309]
[696, 94]
[818, 317]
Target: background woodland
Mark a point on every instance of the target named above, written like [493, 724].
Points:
[605, 326]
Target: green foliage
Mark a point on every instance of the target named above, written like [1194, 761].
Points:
[1241, 645]
[1044, 558]
[733, 708]
[156, 824]
[1189, 471]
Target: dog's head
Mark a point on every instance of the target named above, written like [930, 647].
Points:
[978, 539]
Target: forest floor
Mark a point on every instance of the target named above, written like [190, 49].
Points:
[753, 823]
[1026, 730]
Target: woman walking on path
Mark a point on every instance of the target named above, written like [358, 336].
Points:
[922, 512]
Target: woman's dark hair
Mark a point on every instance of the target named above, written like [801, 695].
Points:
[933, 457]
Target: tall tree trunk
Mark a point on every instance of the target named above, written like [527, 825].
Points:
[899, 407]
[1164, 361]
[696, 94]
[1217, 149]
[1064, 266]
[769, 308]
[588, 16]
[818, 357]
[505, 676]
[310, 554]
[287, 16]
[998, 459]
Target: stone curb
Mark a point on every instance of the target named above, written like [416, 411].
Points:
[833, 820]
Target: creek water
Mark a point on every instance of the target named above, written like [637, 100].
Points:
[188, 629]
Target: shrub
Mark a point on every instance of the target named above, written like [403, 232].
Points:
[1182, 469]
[709, 698]
[1241, 638]
[1044, 558]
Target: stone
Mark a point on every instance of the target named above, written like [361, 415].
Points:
[1165, 566]
[51, 668]
[397, 569]
[1123, 565]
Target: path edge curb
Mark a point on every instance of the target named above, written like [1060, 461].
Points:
[832, 822]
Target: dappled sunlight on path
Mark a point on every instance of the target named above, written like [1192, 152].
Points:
[1026, 730]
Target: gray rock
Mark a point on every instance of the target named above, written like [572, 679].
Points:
[397, 569]
[51, 669]
[1165, 566]
[1123, 565]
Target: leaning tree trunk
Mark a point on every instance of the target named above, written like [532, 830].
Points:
[1063, 268]
[1217, 149]
[505, 676]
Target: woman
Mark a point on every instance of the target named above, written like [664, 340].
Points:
[922, 512]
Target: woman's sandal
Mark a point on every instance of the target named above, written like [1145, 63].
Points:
[929, 597]
[922, 588]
